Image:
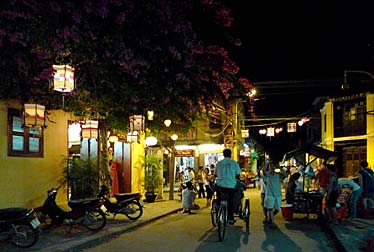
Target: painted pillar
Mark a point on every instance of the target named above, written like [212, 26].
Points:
[370, 129]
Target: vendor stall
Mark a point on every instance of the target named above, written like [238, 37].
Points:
[308, 201]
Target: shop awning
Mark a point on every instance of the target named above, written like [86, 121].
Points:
[313, 150]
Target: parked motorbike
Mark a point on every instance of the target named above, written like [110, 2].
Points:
[129, 204]
[19, 226]
[85, 212]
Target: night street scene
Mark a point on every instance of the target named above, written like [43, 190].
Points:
[186, 125]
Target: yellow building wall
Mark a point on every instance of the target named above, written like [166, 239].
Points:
[328, 132]
[25, 181]
[370, 129]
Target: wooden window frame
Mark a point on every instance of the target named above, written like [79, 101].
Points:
[25, 152]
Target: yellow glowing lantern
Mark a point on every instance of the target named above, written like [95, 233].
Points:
[270, 131]
[137, 123]
[63, 80]
[291, 127]
[34, 115]
[132, 137]
[90, 129]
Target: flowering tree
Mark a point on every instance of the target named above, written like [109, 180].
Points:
[129, 56]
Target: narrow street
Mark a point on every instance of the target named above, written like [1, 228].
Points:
[194, 232]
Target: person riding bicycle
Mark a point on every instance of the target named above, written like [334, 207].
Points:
[226, 172]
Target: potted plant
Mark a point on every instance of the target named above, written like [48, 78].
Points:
[153, 177]
[83, 177]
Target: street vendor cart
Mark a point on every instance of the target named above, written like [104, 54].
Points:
[309, 201]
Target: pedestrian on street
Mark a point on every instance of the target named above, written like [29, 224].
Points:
[263, 190]
[332, 195]
[191, 176]
[226, 172]
[273, 192]
[208, 179]
[366, 180]
[323, 179]
[200, 180]
[355, 195]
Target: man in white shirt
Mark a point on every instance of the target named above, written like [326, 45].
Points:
[226, 172]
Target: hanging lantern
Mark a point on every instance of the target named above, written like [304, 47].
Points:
[167, 122]
[90, 129]
[245, 133]
[270, 132]
[151, 141]
[137, 123]
[291, 127]
[34, 115]
[132, 137]
[174, 137]
[262, 131]
[113, 138]
[63, 80]
[150, 115]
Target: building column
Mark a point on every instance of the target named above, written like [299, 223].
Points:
[370, 129]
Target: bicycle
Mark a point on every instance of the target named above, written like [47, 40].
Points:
[219, 212]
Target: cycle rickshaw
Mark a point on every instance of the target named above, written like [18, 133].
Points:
[219, 211]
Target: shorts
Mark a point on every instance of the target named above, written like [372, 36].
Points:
[271, 202]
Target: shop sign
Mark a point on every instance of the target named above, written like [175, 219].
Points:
[184, 153]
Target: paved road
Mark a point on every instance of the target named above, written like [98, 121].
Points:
[183, 232]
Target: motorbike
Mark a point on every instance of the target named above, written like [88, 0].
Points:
[85, 212]
[129, 204]
[19, 226]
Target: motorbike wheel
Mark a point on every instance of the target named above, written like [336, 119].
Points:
[24, 235]
[136, 210]
[94, 219]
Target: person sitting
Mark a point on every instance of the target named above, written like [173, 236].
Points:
[188, 198]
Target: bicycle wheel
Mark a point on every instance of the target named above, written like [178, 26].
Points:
[247, 212]
[221, 221]
[213, 212]
[134, 210]
[94, 219]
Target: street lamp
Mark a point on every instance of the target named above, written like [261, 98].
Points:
[345, 85]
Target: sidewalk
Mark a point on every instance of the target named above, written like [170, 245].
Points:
[57, 239]
[349, 235]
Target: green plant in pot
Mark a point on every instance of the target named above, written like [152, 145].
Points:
[153, 177]
[83, 176]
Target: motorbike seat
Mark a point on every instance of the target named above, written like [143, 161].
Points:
[125, 196]
[12, 213]
[81, 202]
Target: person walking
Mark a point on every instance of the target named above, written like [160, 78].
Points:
[366, 180]
[355, 195]
[273, 192]
[226, 172]
[208, 179]
[332, 195]
[200, 181]
[263, 190]
[323, 179]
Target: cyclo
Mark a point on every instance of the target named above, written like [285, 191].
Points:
[219, 210]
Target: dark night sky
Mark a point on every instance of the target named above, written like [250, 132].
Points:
[302, 41]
